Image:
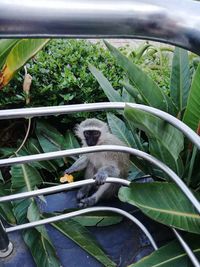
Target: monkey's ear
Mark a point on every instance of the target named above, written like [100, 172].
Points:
[78, 131]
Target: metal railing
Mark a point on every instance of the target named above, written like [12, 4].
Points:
[173, 21]
[163, 21]
[30, 112]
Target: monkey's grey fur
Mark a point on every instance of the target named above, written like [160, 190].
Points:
[99, 165]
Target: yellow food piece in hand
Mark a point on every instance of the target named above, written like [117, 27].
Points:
[67, 178]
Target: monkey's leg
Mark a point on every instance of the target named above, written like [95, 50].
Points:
[106, 190]
[85, 190]
[79, 164]
[104, 172]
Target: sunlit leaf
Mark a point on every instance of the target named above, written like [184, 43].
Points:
[20, 53]
[5, 47]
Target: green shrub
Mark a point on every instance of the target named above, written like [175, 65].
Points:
[61, 75]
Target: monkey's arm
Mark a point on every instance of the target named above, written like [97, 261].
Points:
[80, 164]
[104, 172]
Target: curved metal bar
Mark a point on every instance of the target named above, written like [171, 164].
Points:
[84, 211]
[84, 150]
[59, 188]
[169, 21]
[187, 249]
[57, 110]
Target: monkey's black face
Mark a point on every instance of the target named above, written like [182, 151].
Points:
[91, 137]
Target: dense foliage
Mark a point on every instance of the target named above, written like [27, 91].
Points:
[61, 75]
[65, 72]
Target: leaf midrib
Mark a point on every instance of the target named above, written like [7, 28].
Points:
[26, 178]
[174, 258]
[178, 213]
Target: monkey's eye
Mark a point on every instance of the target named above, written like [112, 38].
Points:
[91, 133]
[96, 133]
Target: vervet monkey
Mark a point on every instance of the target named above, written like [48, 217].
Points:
[99, 165]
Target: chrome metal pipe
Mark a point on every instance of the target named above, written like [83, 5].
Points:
[84, 150]
[4, 242]
[173, 21]
[56, 110]
[187, 249]
[59, 188]
[81, 212]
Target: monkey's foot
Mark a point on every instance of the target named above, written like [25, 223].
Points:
[83, 192]
[100, 177]
[80, 195]
[87, 202]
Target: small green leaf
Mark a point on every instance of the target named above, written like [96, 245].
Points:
[165, 203]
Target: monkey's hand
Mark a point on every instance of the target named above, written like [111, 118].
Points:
[100, 177]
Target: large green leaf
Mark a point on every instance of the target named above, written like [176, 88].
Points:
[110, 92]
[33, 147]
[171, 255]
[6, 207]
[119, 129]
[148, 89]
[50, 139]
[180, 78]
[192, 112]
[155, 128]
[165, 203]
[26, 178]
[38, 238]
[126, 97]
[70, 141]
[162, 153]
[81, 236]
[20, 53]
[5, 47]
[132, 90]
[131, 139]
[41, 249]
[98, 219]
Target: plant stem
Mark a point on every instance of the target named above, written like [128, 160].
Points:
[194, 152]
